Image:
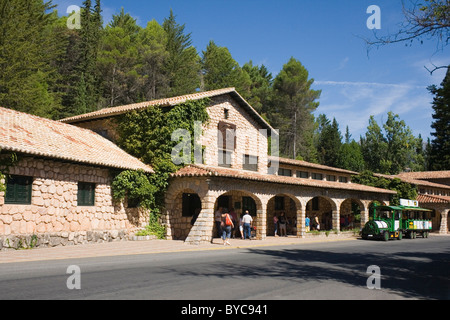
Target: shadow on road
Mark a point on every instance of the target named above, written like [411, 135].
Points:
[409, 274]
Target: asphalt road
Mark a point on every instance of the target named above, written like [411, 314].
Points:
[410, 269]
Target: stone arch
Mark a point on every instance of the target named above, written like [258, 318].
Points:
[351, 213]
[325, 210]
[239, 201]
[179, 218]
[288, 204]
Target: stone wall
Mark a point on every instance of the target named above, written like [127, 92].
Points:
[54, 217]
[249, 139]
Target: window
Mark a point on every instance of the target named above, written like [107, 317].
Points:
[343, 179]
[250, 163]
[331, 177]
[226, 114]
[284, 172]
[18, 190]
[317, 176]
[302, 174]
[86, 194]
[224, 158]
[191, 204]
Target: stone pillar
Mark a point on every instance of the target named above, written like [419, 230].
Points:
[336, 219]
[202, 230]
[364, 217]
[261, 222]
[444, 217]
[301, 216]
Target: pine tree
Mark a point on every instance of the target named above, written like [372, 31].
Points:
[91, 26]
[294, 103]
[440, 145]
[330, 142]
[220, 70]
[27, 51]
[183, 63]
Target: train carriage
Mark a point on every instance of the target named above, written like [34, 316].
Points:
[394, 222]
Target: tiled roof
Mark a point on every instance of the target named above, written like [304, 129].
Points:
[428, 198]
[414, 181]
[114, 111]
[426, 175]
[196, 170]
[24, 133]
[300, 163]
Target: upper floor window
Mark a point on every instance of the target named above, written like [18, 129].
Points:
[226, 114]
[343, 179]
[250, 163]
[302, 174]
[285, 172]
[18, 190]
[224, 158]
[331, 177]
[317, 176]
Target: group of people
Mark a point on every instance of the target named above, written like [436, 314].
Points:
[281, 223]
[227, 223]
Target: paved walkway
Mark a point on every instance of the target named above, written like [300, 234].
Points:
[150, 247]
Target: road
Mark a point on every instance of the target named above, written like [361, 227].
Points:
[410, 269]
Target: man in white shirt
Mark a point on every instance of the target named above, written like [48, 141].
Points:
[247, 220]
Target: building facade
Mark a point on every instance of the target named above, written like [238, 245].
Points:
[59, 190]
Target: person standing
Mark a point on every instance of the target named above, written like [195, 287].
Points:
[307, 222]
[227, 226]
[283, 222]
[218, 220]
[275, 224]
[247, 220]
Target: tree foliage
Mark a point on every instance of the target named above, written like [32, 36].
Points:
[440, 145]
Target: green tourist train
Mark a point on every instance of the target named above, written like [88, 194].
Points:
[395, 222]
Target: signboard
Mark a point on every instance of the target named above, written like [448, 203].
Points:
[409, 203]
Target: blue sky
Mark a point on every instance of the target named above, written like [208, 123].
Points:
[326, 37]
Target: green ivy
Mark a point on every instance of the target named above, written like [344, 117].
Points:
[146, 134]
[7, 160]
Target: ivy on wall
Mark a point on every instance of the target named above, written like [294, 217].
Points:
[7, 160]
[147, 135]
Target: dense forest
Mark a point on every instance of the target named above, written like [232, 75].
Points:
[52, 68]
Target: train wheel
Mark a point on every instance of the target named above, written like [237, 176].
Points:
[400, 235]
[425, 234]
[386, 236]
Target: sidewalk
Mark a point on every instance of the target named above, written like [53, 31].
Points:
[150, 247]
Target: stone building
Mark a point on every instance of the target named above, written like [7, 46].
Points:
[59, 191]
[236, 172]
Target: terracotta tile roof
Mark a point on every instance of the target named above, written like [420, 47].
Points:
[300, 163]
[428, 198]
[195, 170]
[414, 181]
[114, 111]
[426, 175]
[24, 133]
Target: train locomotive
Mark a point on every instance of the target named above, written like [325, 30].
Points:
[395, 222]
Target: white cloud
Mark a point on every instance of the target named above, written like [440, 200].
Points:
[352, 103]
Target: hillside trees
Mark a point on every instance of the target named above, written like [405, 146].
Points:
[440, 145]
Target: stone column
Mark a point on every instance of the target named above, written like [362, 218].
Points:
[202, 230]
[444, 217]
[364, 217]
[301, 216]
[261, 222]
[336, 219]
